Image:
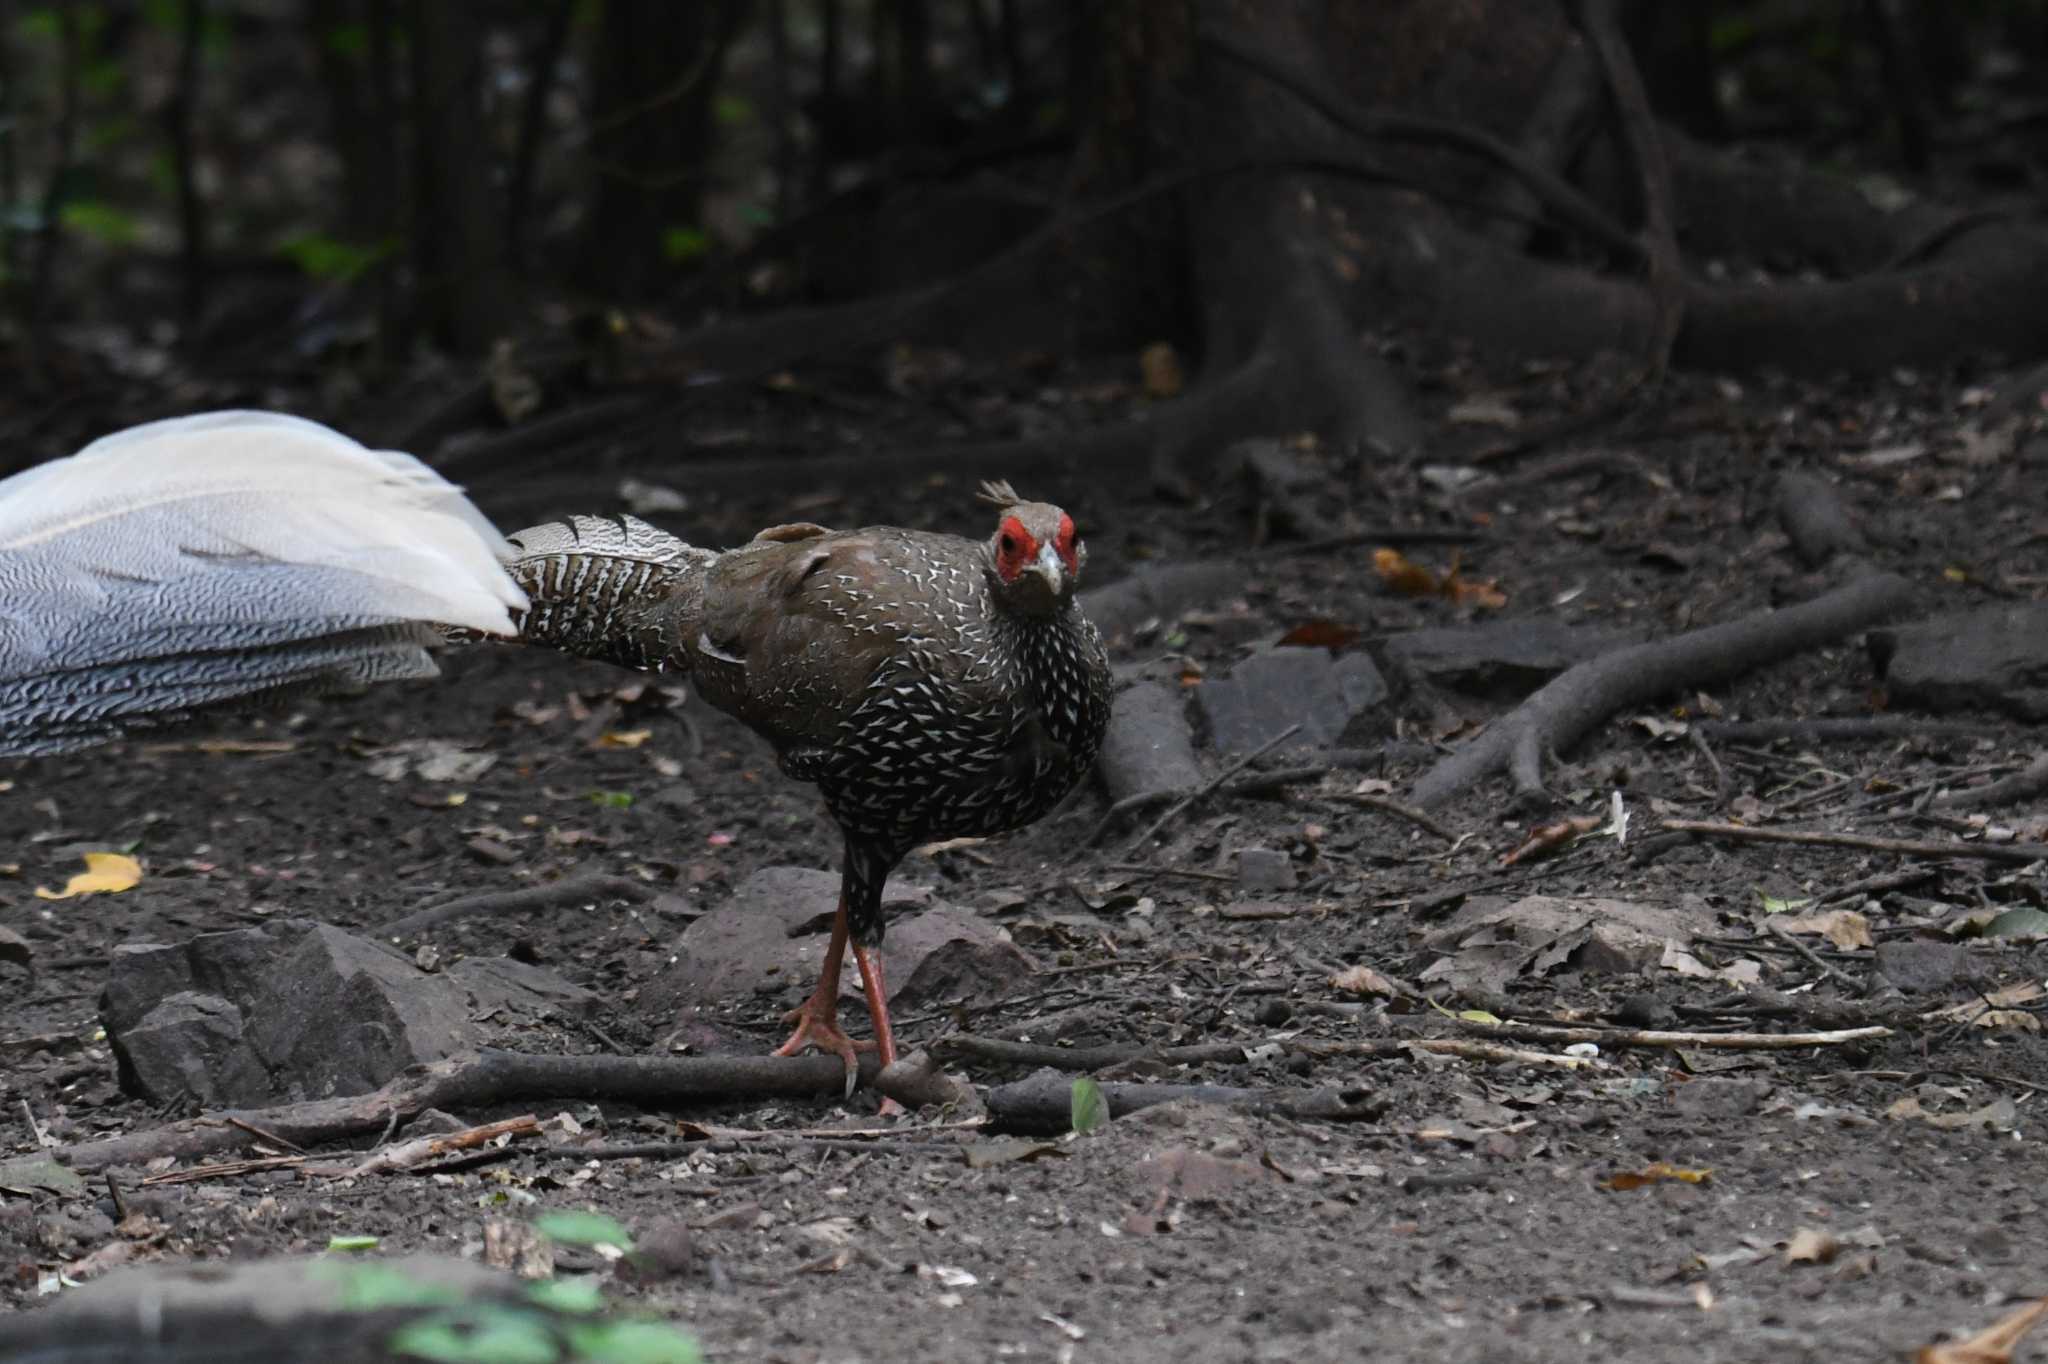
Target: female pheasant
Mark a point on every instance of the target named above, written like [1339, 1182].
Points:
[932, 686]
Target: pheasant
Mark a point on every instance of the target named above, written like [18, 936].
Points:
[213, 561]
[931, 686]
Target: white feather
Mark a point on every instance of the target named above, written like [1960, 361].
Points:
[180, 547]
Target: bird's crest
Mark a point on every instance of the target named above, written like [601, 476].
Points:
[998, 493]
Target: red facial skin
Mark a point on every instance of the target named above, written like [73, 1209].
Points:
[1014, 549]
[1063, 543]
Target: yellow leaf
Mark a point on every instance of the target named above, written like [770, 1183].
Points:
[624, 738]
[103, 871]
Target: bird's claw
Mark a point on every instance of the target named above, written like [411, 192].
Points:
[818, 1027]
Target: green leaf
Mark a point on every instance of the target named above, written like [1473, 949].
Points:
[579, 1228]
[348, 40]
[577, 1297]
[351, 1243]
[681, 245]
[371, 1286]
[2023, 922]
[632, 1342]
[1088, 1108]
[328, 258]
[612, 800]
[101, 220]
[1773, 905]
[729, 111]
[480, 1335]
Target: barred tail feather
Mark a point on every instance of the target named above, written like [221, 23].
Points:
[594, 583]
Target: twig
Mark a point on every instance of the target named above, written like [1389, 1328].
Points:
[1210, 788]
[567, 891]
[1402, 809]
[2022, 785]
[223, 1169]
[1043, 1103]
[1188, 872]
[253, 1130]
[1650, 1037]
[1813, 958]
[1822, 838]
[996, 1051]
[1250, 784]
[407, 1155]
[1877, 728]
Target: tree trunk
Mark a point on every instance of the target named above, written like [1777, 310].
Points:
[656, 65]
[458, 240]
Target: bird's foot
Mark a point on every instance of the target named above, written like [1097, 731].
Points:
[817, 1025]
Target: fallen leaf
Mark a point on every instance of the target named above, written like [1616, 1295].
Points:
[1363, 980]
[1088, 1106]
[1811, 1246]
[1321, 634]
[1402, 575]
[1549, 838]
[104, 871]
[981, 1155]
[624, 738]
[1845, 928]
[1656, 1174]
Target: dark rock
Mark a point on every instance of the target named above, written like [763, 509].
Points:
[1923, 968]
[1158, 593]
[769, 939]
[294, 1009]
[1269, 691]
[1264, 869]
[1148, 747]
[1990, 659]
[1503, 661]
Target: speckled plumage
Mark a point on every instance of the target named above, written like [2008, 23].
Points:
[926, 696]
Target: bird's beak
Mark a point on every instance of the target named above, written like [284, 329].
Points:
[1050, 568]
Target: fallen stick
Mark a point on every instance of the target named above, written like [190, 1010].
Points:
[997, 1051]
[1249, 784]
[1421, 818]
[1043, 1103]
[477, 1079]
[567, 891]
[1823, 838]
[2022, 785]
[1650, 1037]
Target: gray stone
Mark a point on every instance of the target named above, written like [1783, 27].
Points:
[1501, 661]
[293, 1009]
[1148, 747]
[1923, 968]
[1160, 592]
[1269, 691]
[1995, 658]
[769, 939]
[1264, 869]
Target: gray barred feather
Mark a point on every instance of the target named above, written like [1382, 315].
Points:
[595, 585]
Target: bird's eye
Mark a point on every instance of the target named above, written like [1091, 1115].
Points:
[1009, 544]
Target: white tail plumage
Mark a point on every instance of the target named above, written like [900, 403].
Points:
[197, 562]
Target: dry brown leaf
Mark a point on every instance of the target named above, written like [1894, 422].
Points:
[1812, 1246]
[1321, 634]
[1363, 980]
[2010, 997]
[1404, 575]
[1549, 838]
[1483, 593]
[1845, 928]
[1992, 1345]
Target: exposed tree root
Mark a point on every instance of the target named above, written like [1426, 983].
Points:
[478, 1079]
[2024, 785]
[1813, 514]
[1562, 712]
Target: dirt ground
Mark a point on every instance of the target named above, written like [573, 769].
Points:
[1470, 1217]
